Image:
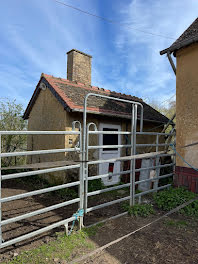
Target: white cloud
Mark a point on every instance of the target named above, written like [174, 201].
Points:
[149, 73]
[124, 60]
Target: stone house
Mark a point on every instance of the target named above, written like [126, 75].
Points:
[185, 49]
[57, 102]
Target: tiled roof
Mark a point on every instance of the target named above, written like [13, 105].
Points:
[71, 95]
[189, 36]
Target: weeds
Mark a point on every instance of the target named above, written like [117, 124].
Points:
[176, 223]
[173, 197]
[63, 248]
[95, 185]
[142, 210]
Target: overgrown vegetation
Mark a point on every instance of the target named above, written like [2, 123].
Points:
[95, 185]
[11, 119]
[142, 210]
[176, 223]
[61, 249]
[173, 197]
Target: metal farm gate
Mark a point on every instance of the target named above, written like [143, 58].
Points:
[83, 149]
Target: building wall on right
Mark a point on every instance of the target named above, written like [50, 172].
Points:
[187, 112]
[187, 104]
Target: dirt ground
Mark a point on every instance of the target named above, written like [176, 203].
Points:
[23, 206]
[173, 240]
[157, 244]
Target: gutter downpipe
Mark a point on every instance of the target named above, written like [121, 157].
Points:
[171, 61]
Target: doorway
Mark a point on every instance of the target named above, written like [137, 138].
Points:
[108, 153]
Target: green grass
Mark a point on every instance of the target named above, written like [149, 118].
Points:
[176, 223]
[63, 248]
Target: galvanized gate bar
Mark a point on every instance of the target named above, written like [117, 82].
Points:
[132, 158]
[108, 189]
[152, 190]
[86, 133]
[156, 178]
[30, 173]
[108, 204]
[40, 211]
[45, 190]
[41, 191]
[109, 146]
[109, 132]
[22, 132]
[36, 152]
[37, 232]
[83, 150]
[90, 178]
[155, 167]
[138, 156]
[133, 152]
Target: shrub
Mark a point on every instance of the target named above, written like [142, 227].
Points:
[173, 197]
[11, 119]
[143, 210]
[95, 185]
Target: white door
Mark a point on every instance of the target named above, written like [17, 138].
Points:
[108, 153]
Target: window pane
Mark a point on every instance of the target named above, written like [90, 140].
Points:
[110, 139]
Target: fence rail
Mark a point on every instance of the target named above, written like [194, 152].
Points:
[156, 155]
[10, 176]
[83, 149]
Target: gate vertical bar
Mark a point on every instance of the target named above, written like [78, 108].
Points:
[157, 163]
[84, 170]
[80, 190]
[134, 152]
[81, 177]
[131, 163]
[0, 197]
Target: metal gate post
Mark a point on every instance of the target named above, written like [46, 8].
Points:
[86, 165]
[133, 152]
[81, 176]
[131, 162]
[157, 163]
[133, 135]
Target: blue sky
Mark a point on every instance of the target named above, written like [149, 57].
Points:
[35, 36]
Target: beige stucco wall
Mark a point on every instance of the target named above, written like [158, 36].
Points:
[49, 114]
[187, 104]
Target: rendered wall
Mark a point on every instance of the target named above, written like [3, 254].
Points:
[49, 114]
[187, 104]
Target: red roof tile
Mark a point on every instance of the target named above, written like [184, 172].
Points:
[71, 95]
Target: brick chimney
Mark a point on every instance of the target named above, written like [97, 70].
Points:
[79, 66]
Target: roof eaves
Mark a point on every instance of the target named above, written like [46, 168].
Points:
[115, 114]
[179, 45]
[32, 100]
[36, 93]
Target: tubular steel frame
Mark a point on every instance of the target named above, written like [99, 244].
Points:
[83, 149]
[133, 145]
[64, 222]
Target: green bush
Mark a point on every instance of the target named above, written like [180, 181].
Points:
[143, 210]
[173, 197]
[95, 185]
